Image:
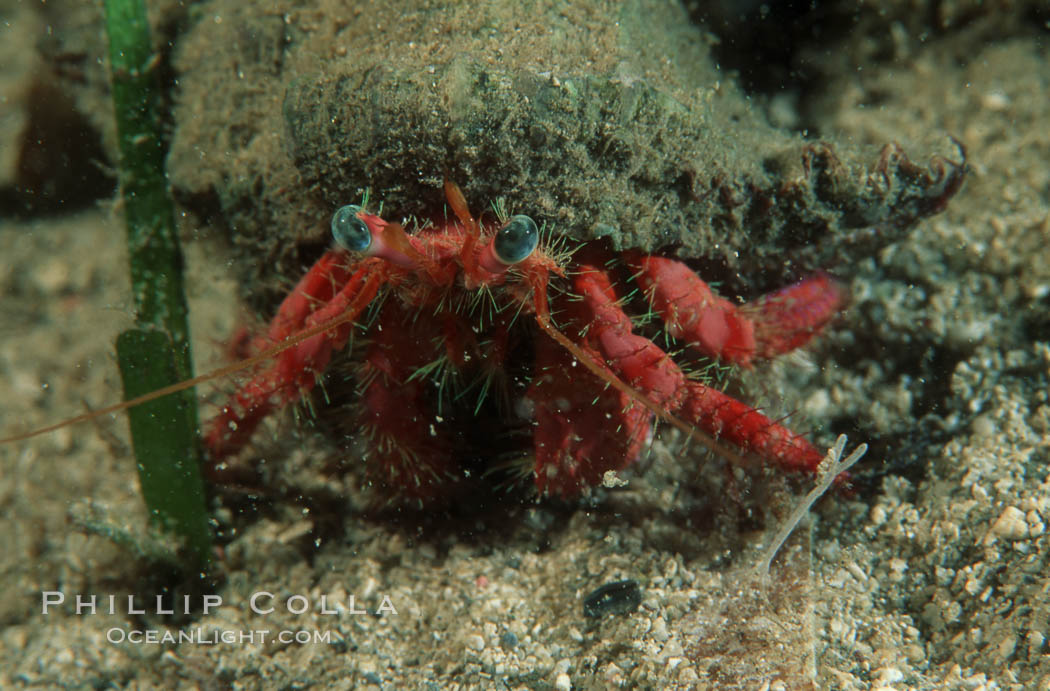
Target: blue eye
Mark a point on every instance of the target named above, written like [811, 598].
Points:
[515, 241]
[349, 231]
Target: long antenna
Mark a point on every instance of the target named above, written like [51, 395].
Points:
[352, 309]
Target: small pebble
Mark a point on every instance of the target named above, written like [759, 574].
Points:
[53, 276]
[995, 100]
[687, 677]
[562, 682]
[1010, 525]
[914, 653]
[659, 630]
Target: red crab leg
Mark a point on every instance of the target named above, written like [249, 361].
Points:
[791, 317]
[294, 371]
[583, 427]
[763, 329]
[691, 311]
[646, 367]
[317, 287]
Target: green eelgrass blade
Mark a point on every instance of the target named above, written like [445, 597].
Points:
[164, 432]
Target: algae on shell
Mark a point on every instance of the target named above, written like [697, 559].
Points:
[607, 119]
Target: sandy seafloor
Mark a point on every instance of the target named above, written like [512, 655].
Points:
[935, 575]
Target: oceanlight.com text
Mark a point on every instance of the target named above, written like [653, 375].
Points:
[202, 636]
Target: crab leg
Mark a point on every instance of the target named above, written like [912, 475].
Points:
[583, 428]
[791, 317]
[765, 328]
[645, 366]
[317, 287]
[294, 371]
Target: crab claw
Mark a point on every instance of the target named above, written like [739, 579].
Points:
[582, 428]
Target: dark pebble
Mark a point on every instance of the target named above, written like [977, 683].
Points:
[618, 597]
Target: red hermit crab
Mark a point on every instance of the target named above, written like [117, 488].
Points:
[493, 318]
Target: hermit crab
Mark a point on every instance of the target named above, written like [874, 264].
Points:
[468, 332]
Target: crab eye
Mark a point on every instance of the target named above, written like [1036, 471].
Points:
[515, 241]
[349, 231]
